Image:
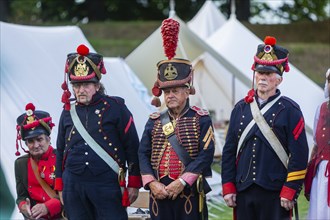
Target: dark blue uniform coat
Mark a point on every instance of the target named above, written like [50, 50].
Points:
[90, 186]
[196, 136]
[257, 163]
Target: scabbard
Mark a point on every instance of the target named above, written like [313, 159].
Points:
[296, 212]
[201, 196]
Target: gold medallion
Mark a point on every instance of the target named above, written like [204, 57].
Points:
[168, 129]
[81, 69]
[170, 72]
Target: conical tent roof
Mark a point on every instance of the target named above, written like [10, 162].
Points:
[207, 20]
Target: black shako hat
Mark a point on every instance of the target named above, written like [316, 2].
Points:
[271, 57]
[80, 67]
[84, 66]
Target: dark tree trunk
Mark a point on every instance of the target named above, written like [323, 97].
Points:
[96, 10]
[4, 10]
[243, 10]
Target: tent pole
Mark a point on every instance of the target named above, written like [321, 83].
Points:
[233, 90]
[172, 9]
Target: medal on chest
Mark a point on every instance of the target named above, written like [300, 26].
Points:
[42, 173]
[52, 173]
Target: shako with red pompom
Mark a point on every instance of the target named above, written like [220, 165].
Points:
[271, 57]
[31, 124]
[81, 66]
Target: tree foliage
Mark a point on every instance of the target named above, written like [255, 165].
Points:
[27, 11]
[38, 11]
[297, 10]
[304, 10]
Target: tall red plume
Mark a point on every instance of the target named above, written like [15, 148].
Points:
[170, 34]
[269, 40]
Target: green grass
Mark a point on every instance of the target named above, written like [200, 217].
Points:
[114, 47]
[227, 213]
[311, 58]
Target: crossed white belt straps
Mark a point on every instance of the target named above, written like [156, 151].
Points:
[259, 119]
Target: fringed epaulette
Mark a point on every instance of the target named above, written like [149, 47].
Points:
[154, 115]
[200, 111]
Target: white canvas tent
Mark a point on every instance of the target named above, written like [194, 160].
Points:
[219, 87]
[207, 20]
[32, 70]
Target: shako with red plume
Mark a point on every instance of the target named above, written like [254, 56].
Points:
[172, 72]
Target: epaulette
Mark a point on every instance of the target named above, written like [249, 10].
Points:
[154, 115]
[293, 103]
[25, 156]
[117, 99]
[200, 111]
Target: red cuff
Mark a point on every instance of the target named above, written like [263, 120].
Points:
[189, 178]
[146, 179]
[287, 193]
[54, 206]
[134, 182]
[228, 188]
[58, 184]
[21, 204]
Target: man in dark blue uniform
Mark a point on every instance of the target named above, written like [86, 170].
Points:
[265, 155]
[96, 142]
[177, 146]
